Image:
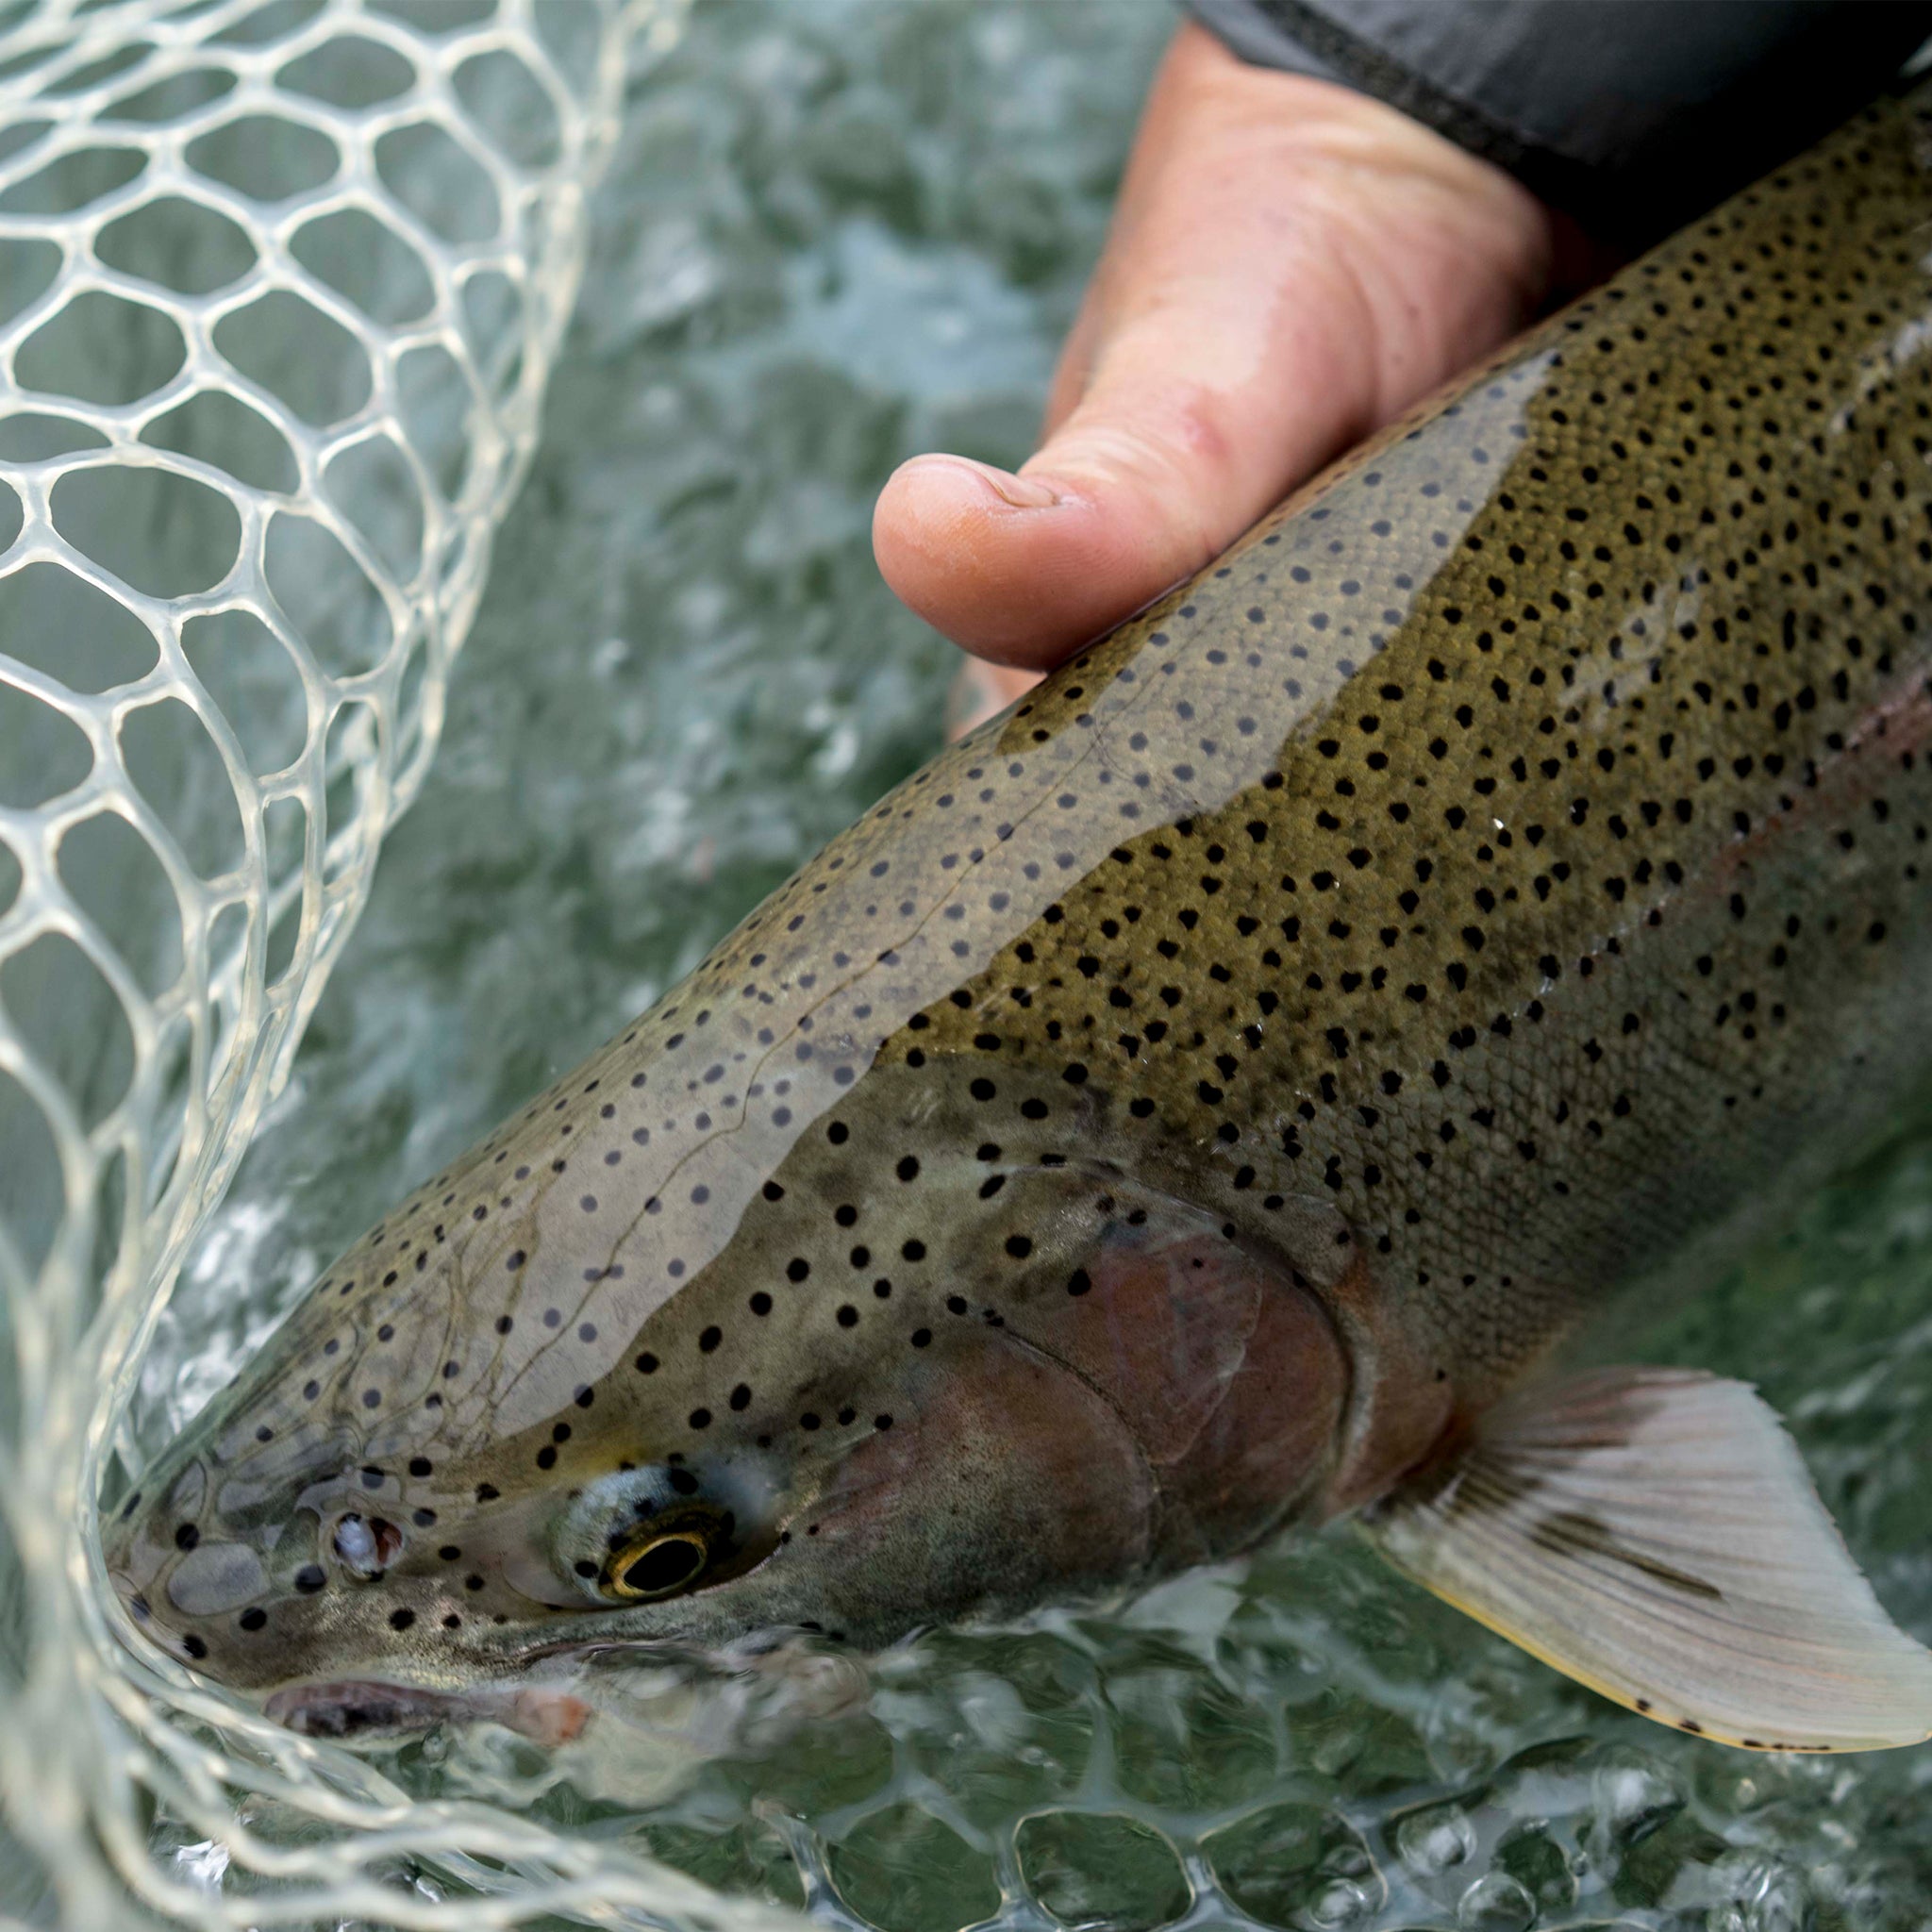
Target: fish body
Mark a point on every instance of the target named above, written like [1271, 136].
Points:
[1198, 1101]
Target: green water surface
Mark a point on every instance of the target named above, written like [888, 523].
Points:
[837, 232]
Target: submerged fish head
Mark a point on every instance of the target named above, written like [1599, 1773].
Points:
[920, 1375]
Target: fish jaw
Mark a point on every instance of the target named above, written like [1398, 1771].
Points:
[546, 1714]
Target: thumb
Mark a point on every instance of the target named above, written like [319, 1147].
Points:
[1147, 478]
[1291, 265]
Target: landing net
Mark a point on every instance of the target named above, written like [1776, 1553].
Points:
[279, 288]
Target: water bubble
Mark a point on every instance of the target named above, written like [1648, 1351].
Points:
[1435, 1840]
[1495, 1903]
[1634, 1795]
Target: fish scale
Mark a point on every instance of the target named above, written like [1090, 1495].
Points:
[1499, 867]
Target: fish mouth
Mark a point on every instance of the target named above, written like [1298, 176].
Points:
[373, 1707]
[352, 1707]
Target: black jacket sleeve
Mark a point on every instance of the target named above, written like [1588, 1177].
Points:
[1631, 115]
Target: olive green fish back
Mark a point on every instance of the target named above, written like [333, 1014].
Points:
[1536, 808]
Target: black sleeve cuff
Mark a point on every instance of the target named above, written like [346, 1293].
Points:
[1632, 115]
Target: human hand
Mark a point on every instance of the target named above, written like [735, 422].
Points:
[1291, 265]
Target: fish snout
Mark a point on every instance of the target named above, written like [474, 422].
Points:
[206, 1600]
[180, 1572]
[260, 1569]
[314, 1605]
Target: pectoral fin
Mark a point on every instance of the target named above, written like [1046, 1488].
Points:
[1654, 1534]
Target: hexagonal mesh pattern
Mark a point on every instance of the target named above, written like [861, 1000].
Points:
[279, 287]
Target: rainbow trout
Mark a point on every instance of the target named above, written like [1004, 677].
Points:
[1200, 1101]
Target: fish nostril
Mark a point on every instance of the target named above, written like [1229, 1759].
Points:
[356, 1545]
[366, 1545]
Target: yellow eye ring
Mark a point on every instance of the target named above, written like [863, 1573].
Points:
[661, 1565]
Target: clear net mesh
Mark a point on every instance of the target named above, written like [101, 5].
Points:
[280, 288]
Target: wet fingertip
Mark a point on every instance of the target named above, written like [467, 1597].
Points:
[1014, 587]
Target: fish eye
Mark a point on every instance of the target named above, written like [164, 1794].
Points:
[637, 1536]
[659, 1563]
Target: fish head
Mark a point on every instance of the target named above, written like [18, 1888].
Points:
[917, 1376]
